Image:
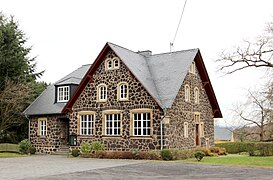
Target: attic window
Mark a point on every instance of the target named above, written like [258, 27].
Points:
[192, 68]
[111, 64]
[63, 94]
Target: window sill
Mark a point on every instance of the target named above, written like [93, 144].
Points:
[141, 137]
[86, 136]
[109, 136]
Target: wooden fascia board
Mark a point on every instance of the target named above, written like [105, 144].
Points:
[207, 85]
[85, 80]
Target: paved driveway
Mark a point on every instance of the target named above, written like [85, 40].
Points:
[59, 167]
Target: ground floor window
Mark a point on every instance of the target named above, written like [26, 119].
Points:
[87, 124]
[186, 129]
[112, 124]
[142, 124]
[42, 127]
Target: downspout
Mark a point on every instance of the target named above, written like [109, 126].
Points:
[161, 128]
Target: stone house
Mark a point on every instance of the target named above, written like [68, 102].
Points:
[128, 100]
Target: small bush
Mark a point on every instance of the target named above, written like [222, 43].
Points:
[181, 154]
[97, 146]
[75, 152]
[166, 154]
[32, 150]
[150, 155]
[24, 146]
[85, 149]
[135, 153]
[218, 150]
[118, 155]
[199, 155]
[206, 151]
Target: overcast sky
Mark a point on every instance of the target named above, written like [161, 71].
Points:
[66, 34]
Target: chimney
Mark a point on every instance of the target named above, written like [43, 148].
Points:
[146, 53]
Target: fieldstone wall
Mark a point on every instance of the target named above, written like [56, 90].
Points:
[57, 134]
[183, 111]
[138, 98]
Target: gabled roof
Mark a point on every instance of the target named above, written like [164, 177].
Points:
[45, 103]
[161, 75]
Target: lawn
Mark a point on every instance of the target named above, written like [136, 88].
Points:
[241, 160]
[8, 154]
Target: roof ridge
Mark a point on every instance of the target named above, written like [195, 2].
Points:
[194, 49]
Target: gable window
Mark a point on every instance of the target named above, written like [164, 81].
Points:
[141, 123]
[102, 92]
[116, 62]
[87, 122]
[63, 94]
[196, 95]
[187, 93]
[197, 118]
[112, 63]
[186, 129]
[123, 91]
[42, 123]
[192, 68]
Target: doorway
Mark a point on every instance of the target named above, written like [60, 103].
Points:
[197, 135]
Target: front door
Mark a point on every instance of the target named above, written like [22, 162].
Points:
[197, 135]
[64, 131]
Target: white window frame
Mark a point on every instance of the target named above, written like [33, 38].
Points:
[63, 94]
[196, 95]
[123, 94]
[114, 63]
[112, 123]
[143, 128]
[186, 129]
[42, 122]
[192, 68]
[102, 93]
[187, 93]
[87, 124]
[202, 132]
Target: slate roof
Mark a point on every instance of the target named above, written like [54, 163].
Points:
[161, 74]
[45, 103]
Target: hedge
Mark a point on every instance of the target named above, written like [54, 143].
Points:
[253, 148]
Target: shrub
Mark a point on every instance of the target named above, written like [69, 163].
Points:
[199, 155]
[218, 150]
[75, 152]
[135, 153]
[234, 147]
[118, 155]
[32, 150]
[166, 154]
[181, 154]
[24, 146]
[150, 155]
[97, 146]
[85, 149]
[206, 151]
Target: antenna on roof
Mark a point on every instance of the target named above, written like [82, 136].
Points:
[172, 43]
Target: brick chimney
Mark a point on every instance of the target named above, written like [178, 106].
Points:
[146, 53]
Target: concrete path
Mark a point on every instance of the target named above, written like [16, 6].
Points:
[60, 167]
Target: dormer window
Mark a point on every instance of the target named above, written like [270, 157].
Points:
[111, 64]
[63, 94]
[192, 68]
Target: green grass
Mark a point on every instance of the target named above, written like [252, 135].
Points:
[8, 154]
[240, 160]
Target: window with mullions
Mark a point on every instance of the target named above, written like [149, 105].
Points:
[63, 94]
[112, 124]
[141, 124]
[122, 91]
[87, 124]
[102, 92]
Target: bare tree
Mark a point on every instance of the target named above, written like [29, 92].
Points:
[251, 54]
[13, 100]
[256, 112]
